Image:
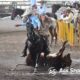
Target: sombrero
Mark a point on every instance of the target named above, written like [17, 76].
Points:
[42, 1]
[68, 8]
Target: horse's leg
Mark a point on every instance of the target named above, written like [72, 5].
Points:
[56, 39]
[69, 68]
[55, 36]
[41, 22]
[46, 51]
[30, 60]
[25, 49]
[51, 32]
[45, 59]
[36, 62]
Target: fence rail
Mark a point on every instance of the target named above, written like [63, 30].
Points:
[27, 3]
[7, 6]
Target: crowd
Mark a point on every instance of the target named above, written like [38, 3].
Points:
[67, 22]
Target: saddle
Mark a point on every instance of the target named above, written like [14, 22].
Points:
[41, 32]
[42, 18]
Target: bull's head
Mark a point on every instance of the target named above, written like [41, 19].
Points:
[67, 61]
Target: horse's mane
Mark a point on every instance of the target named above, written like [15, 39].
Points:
[33, 33]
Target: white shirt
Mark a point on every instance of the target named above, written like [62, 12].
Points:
[42, 9]
[68, 18]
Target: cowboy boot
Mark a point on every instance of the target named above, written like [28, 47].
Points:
[24, 53]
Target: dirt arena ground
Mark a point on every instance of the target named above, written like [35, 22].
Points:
[12, 42]
[11, 46]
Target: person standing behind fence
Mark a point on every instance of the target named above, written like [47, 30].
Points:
[42, 8]
[69, 27]
[69, 16]
[42, 11]
[28, 10]
[78, 28]
[32, 2]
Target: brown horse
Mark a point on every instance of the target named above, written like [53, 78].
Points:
[50, 25]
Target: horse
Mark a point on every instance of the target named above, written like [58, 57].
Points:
[36, 44]
[51, 28]
[16, 12]
[51, 24]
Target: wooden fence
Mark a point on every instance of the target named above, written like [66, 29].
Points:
[7, 6]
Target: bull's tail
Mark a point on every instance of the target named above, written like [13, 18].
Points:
[60, 53]
[64, 44]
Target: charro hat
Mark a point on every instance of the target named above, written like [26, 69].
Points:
[34, 6]
[68, 8]
[42, 1]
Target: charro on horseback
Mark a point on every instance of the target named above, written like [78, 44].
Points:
[38, 18]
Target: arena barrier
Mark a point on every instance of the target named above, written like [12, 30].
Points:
[66, 32]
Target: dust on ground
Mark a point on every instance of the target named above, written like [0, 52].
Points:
[11, 46]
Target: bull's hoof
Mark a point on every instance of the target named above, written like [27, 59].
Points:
[24, 54]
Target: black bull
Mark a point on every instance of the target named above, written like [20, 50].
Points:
[36, 44]
[58, 61]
